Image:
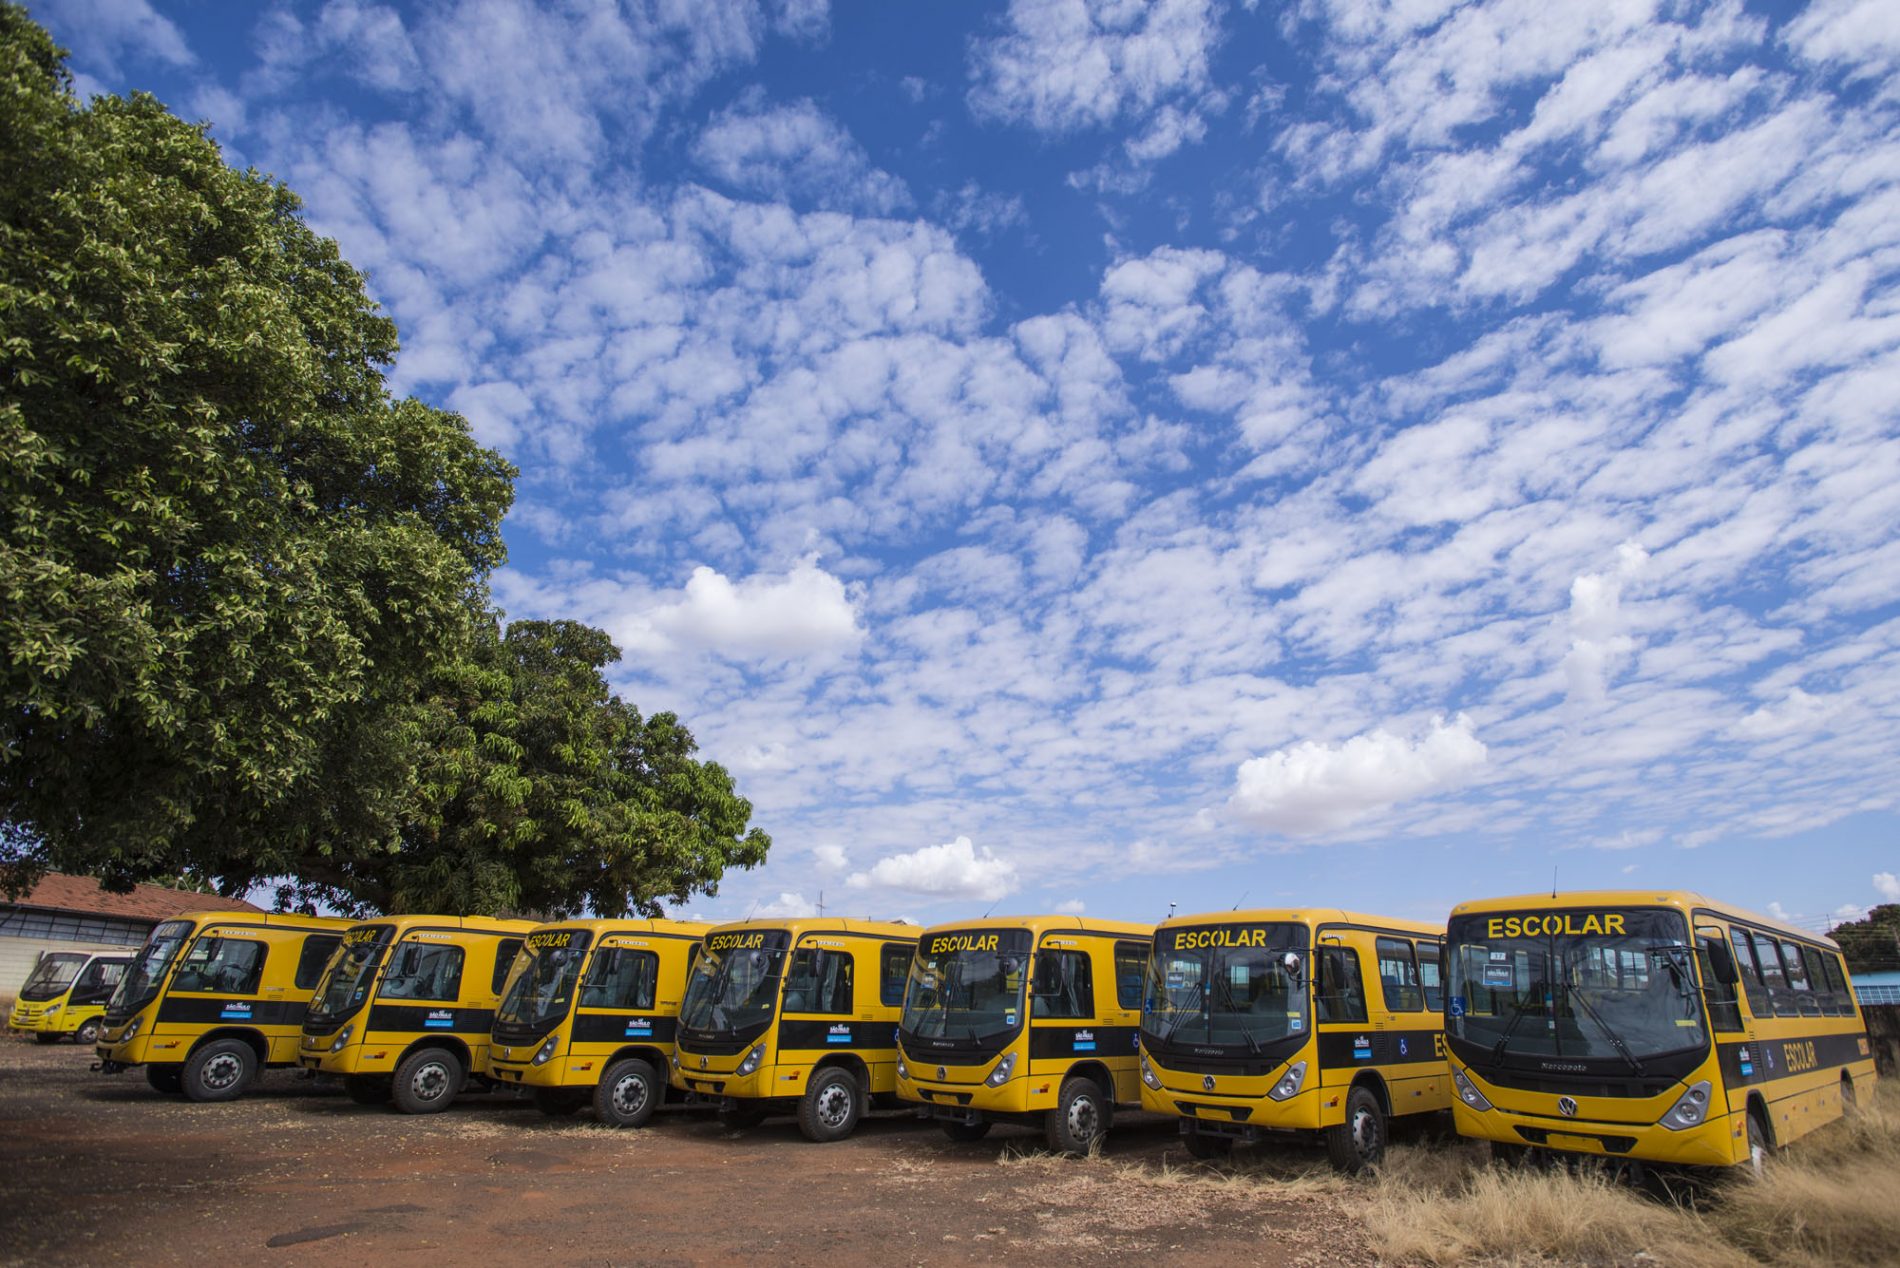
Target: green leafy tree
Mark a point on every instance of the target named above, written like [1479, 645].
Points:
[1871, 943]
[543, 792]
[244, 629]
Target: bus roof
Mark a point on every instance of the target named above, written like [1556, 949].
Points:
[1686, 901]
[801, 925]
[1039, 925]
[272, 919]
[473, 924]
[1305, 916]
[602, 926]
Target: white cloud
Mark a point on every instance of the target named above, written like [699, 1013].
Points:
[830, 857]
[103, 31]
[1313, 788]
[1887, 885]
[802, 613]
[795, 152]
[786, 906]
[1599, 642]
[955, 869]
[1069, 907]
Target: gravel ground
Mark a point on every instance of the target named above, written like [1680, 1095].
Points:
[100, 1169]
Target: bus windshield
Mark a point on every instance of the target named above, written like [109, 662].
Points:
[1616, 986]
[140, 984]
[540, 989]
[1227, 986]
[53, 976]
[345, 984]
[967, 986]
[734, 983]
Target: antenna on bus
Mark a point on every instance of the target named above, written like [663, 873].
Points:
[753, 908]
[821, 902]
[1553, 879]
[1243, 898]
[992, 907]
[1170, 912]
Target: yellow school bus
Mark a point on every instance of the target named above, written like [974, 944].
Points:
[404, 1008]
[66, 994]
[1029, 1020]
[590, 1012]
[795, 1016]
[214, 997]
[1297, 1020]
[1648, 1027]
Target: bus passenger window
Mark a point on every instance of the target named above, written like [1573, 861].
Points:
[226, 966]
[1131, 968]
[1429, 976]
[621, 978]
[1817, 980]
[1398, 975]
[311, 961]
[820, 982]
[1804, 1001]
[1768, 959]
[424, 972]
[1837, 984]
[1341, 993]
[504, 960]
[1725, 1013]
[894, 959]
[1745, 968]
[1063, 985]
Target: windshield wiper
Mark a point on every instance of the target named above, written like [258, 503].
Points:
[1233, 1010]
[1577, 997]
[1522, 1009]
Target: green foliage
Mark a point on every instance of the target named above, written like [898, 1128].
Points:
[543, 792]
[244, 629]
[1871, 943]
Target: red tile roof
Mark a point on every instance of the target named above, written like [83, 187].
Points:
[146, 902]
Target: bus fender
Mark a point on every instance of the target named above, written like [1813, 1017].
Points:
[250, 1038]
[448, 1043]
[1095, 1072]
[1759, 1107]
[1371, 1080]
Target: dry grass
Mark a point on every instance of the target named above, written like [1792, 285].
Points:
[1832, 1199]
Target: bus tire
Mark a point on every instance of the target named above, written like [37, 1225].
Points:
[165, 1078]
[427, 1080]
[47, 1036]
[366, 1089]
[628, 1093]
[219, 1071]
[831, 1106]
[965, 1133]
[1850, 1097]
[1761, 1146]
[1080, 1120]
[88, 1032]
[1359, 1142]
[1208, 1148]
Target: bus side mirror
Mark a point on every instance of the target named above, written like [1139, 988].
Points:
[1291, 963]
[1722, 961]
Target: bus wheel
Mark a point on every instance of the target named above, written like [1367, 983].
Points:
[165, 1078]
[1079, 1121]
[47, 1036]
[1850, 1097]
[1359, 1142]
[1208, 1148]
[219, 1071]
[427, 1080]
[964, 1133]
[1760, 1147]
[829, 1109]
[88, 1032]
[627, 1093]
[366, 1089]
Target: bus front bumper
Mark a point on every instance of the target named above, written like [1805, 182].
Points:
[1720, 1141]
[314, 1054]
[40, 1019]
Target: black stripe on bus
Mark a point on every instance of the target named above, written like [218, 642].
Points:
[619, 1027]
[841, 1035]
[232, 1010]
[429, 1019]
[1080, 1039]
[1343, 1049]
[1764, 1060]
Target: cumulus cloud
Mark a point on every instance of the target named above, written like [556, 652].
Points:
[795, 153]
[1599, 642]
[830, 857]
[1313, 788]
[1887, 885]
[805, 612]
[955, 869]
[103, 31]
[787, 905]
[1069, 907]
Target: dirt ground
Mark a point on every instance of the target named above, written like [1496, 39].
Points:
[101, 1169]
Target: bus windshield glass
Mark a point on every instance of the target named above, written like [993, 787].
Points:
[1611, 985]
[140, 984]
[734, 983]
[1227, 986]
[352, 971]
[53, 976]
[540, 989]
[967, 986]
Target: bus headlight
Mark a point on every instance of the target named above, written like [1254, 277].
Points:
[752, 1059]
[1148, 1074]
[342, 1037]
[53, 1008]
[546, 1050]
[1289, 1084]
[903, 1071]
[131, 1030]
[1690, 1109]
[676, 1060]
[1468, 1092]
[1004, 1068]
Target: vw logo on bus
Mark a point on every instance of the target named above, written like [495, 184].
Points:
[1567, 1106]
[1207, 1083]
[942, 1073]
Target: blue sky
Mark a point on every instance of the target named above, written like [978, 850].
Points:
[1092, 455]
